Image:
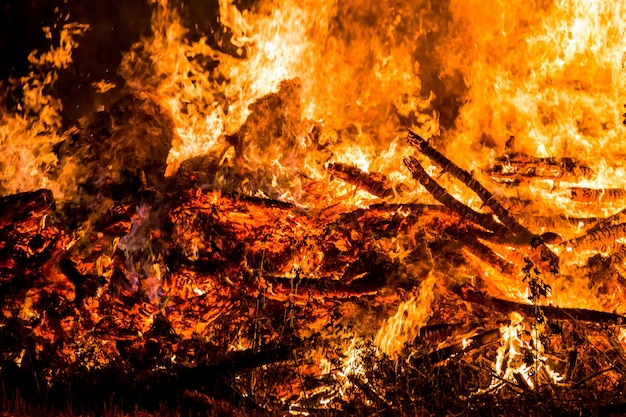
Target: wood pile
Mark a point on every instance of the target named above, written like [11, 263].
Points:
[148, 291]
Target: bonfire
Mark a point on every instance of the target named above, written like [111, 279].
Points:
[323, 208]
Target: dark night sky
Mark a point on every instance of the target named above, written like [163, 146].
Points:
[114, 27]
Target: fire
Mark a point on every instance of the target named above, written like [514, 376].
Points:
[511, 364]
[351, 79]
[297, 129]
[405, 325]
[529, 73]
[28, 134]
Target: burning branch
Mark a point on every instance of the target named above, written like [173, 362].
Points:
[441, 195]
[541, 255]
[593, 195]
[467, 179]
[597, 239]
[475, 342]
[487, 255]
[529, 310]
[374, 183]
[515, 168]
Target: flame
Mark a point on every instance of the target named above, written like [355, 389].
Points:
[350, 79]
[549, 74]
[315, 81]
[412, 314]
[30, 129]
[359, 70]
[512, 364]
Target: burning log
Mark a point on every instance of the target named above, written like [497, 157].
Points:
[374, 183]
[19, 207]
[370, 284]
[598, 238]
[441, 195]
[212, 232]
[467, 179]
[615, 219]
[530, 310]
[487, 255]
[475, 342]
[27, 239]
[541, 256]
[237, 362]
[556, 222]
[516, 168]
[617, 259]
[593, 195]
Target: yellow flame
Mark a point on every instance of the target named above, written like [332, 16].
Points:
[547, 73]
[412, 315]
[28, 132]
[355, 71]
[511, 360]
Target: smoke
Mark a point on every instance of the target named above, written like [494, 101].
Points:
[144, 256]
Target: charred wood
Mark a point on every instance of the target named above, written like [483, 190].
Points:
[593, 195]
[214, 232]
[374, 183]
[515, 168]
[433, 334]
[521, 381]
[550, 312]
[572, 357]
[594, 375]
[441, 195]
[487, 255]
[598, 239]
[475, 342]
[18, 208]
[236, 362]
[366, 284]
[28, 234]
[84, 285]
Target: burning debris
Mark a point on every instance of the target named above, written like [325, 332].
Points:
[198, 292]
[224, 236]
